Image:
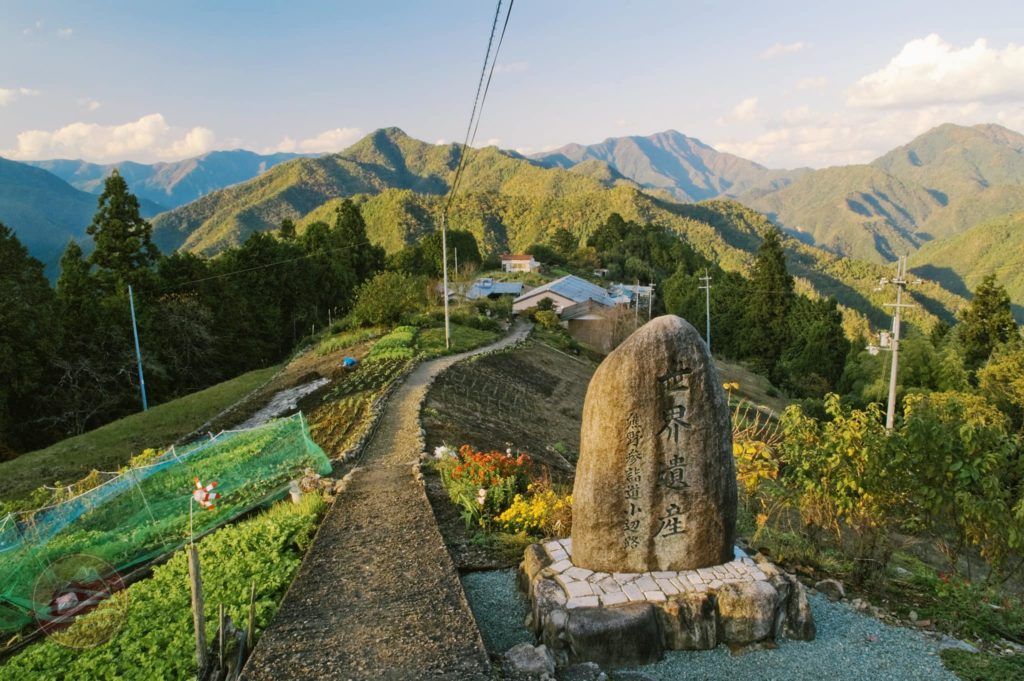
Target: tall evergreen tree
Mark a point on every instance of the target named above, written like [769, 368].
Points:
[27, 335]
[986, 322]
[768, 304]
[124, 246]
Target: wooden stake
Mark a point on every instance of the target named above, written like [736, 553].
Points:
[196, 581]
[220, 637]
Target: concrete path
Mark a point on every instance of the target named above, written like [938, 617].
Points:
[377, 596]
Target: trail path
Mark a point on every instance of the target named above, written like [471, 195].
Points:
[377, 596]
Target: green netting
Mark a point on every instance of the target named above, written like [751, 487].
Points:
[143, 512]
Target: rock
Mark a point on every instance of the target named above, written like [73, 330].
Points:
[900, 573]
[655, 486]
[548, 597]
[783, 583]
[623, 636]
[535, 559]
[689, 622]
[746, 612]
[799, 619]
[950, 643]
[912, 615]
[832, 588]
[585, 671]
[525, 660]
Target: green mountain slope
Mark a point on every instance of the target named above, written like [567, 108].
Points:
[859, 211]
[43, 210]
[683, 167]
[169, 185]
[508, 202]
[993, 247]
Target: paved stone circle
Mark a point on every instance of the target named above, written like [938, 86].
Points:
[586, 588]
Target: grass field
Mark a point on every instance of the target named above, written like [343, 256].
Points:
[463, 338]
[111, 446]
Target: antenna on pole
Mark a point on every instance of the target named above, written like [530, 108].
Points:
[891, 340]
[138, 352]
[707, 307]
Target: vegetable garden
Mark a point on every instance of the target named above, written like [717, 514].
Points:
[146, 511]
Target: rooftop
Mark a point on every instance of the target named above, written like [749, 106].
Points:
[575, 289]
[517, 256]
[482, 288]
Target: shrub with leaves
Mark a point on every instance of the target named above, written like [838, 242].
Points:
[484, 484]
[541, 512]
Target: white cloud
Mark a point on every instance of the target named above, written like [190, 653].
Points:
[34, 28]
[89, 104]
[148, 138]
[815, 83]
[327, 141]
[512, 67]
[441, 140]
[493, 142]
[930, 71]
[801, 136]
[8, 95]
[65, 32]
[745, 111]
[780, 49]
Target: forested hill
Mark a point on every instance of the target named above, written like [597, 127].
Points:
[508, 202]
[937, 185]
[43, 210]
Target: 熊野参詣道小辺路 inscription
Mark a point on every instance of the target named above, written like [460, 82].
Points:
[655, 484]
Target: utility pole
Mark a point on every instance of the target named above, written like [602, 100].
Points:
[456, 270]
[138, 352]
[444, 269]
[636, 310]
[650, 303]
[893, 340]
[707, 307]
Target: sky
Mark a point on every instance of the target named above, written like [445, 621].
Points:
[785, 84]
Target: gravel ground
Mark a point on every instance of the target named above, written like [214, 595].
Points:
[849, 647]
[498, 607]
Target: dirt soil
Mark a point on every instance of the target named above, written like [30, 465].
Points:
[303, 368]
[529, 399]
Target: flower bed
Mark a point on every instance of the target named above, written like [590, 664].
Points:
[503, 492]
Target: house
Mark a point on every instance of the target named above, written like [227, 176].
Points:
[519, 263]
[488, 288]
[591, 323]
[565, 292]
[629, 294]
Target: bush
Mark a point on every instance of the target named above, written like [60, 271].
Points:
[547, 319]
[542, 512]
[388, 296]
[484, 484]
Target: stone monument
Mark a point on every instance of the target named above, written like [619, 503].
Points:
[651, 564]
[655, 482]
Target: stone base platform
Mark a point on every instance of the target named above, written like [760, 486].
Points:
[619, 619]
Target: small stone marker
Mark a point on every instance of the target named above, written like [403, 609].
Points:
[655, 485]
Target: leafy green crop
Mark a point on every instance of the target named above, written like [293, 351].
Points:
[155, 640]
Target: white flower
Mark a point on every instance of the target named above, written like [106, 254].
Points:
[481, 496]
[445, 452]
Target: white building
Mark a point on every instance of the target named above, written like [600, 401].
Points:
[519, 263]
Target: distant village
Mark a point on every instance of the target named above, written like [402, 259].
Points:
[592, 314]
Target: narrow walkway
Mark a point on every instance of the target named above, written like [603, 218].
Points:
[377, 596]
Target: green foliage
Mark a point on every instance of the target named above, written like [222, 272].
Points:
[265, 551]
[547, 319]
[768, 305]
[388, 297]
[124, 245]
[986, 322]
[111, 446]
[28, 329]
[399, 344]
[962, 469]
[846, 477]
[483, 484]
[983, 666]
[346, 339]
[1001, 381]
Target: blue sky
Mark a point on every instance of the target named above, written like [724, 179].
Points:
[783, 83]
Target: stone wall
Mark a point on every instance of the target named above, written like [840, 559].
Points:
[620, 619]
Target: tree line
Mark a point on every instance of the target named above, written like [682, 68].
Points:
[67, 360]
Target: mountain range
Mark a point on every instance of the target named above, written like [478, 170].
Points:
[944, 183]
[168, 185]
